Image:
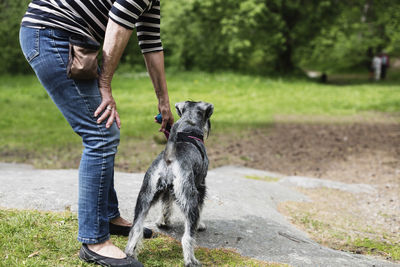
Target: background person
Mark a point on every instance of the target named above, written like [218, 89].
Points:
[377, 65]
[88, 105]
[385, 65]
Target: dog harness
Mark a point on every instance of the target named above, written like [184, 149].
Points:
[191, 137]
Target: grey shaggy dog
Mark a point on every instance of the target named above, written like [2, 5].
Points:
[178, 173]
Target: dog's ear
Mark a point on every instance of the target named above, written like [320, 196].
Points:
[179, 108]
[209, 110]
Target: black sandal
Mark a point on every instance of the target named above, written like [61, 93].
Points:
[87, 255]
[124, 230]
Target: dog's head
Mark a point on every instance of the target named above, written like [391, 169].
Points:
[196, 113]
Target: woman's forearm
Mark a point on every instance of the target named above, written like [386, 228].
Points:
[115, 41]
[155, 67]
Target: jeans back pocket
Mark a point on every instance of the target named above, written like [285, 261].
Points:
[29, 41]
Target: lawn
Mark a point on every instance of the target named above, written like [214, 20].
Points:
[33, 238]
[33, 130]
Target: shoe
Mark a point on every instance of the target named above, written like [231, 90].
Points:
[124, 230]
[87, 255]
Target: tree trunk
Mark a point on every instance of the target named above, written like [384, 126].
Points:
[290, 16]
[285, 62]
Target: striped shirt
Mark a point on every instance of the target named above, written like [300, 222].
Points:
[89, 18]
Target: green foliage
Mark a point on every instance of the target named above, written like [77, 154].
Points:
[362, 29]
[11, 58]
[389, 24]
[250, 36]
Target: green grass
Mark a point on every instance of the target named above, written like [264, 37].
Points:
[33, 238]
[347, 238]
[262, 178]
[382, 247]
[31, 125]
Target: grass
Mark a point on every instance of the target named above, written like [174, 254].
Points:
[346, 238]
[32, 127]
[262, 178]
[334, 220]
[33, 238]
[372, 247]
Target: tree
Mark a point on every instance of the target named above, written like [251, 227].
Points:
[253, 36]
[362, 29]
[248, 35]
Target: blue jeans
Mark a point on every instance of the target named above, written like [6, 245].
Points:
[46, 50]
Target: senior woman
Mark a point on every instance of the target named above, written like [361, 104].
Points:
[88, 104]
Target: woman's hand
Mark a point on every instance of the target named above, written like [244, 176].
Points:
[166, 114]
[107, 105]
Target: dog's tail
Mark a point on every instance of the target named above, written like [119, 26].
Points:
[170, 152]
[170, 149]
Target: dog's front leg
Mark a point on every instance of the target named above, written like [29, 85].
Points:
[201, 226]
[202, 194]
[166, 202]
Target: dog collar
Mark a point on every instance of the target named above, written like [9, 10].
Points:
[191, 137]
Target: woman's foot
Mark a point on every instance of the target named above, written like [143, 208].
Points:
[120, 226]
[107, 254]
[121, 222]
[107, 249]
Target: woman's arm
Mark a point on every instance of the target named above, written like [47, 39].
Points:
[155, 67]
[114, 45]
[115, 41]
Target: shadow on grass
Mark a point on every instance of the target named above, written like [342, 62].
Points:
[230, 126]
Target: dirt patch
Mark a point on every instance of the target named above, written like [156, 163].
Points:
[354, 150]
[365, 152]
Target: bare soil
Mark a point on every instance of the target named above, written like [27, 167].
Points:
[351, 150]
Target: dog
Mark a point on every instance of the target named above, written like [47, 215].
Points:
[178, 173]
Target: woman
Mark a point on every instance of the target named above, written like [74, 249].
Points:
[88, 105]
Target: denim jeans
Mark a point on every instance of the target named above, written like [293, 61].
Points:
[46, 50]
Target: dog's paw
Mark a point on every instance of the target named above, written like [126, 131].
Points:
[130, 252]
[193, 263]
[201, 227]
[163, 225]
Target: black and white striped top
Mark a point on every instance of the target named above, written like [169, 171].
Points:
[89, 18]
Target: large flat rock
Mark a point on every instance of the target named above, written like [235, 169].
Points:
[240, 213]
